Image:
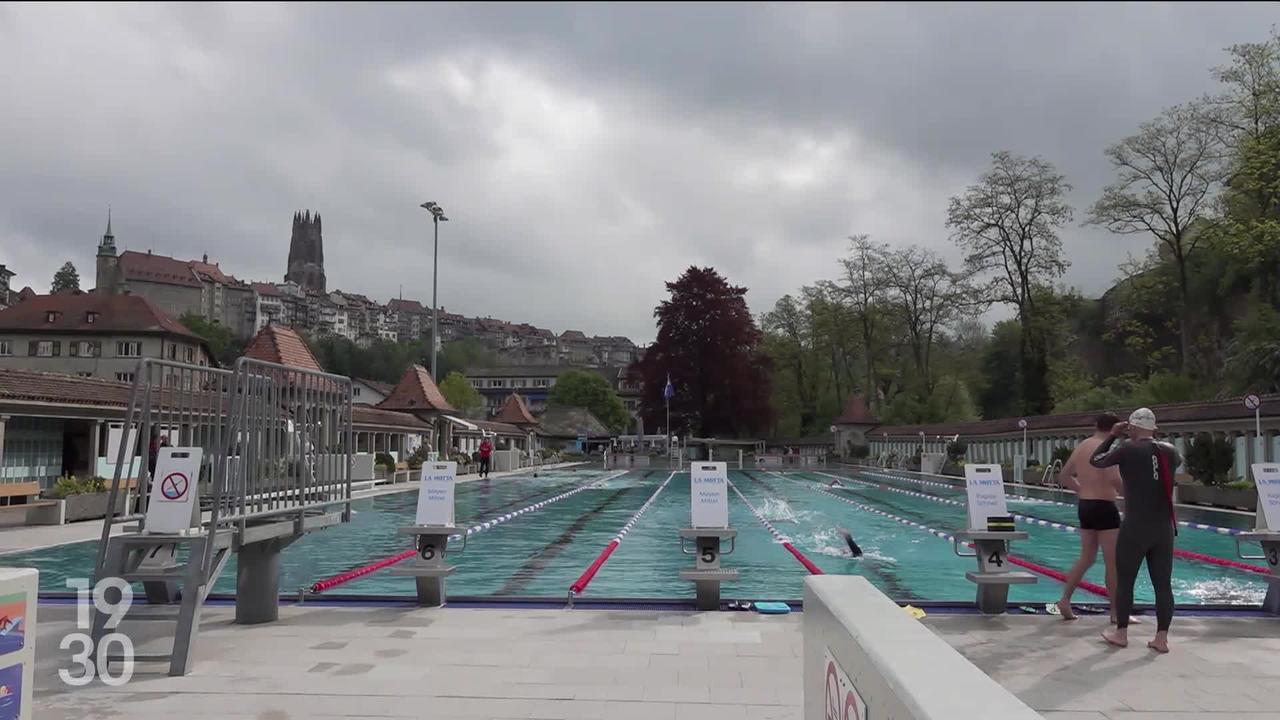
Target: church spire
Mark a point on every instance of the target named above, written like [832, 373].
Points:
[108, 244]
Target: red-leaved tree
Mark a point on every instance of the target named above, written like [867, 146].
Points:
[708, 344]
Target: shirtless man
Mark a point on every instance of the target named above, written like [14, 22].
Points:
[1096, 490]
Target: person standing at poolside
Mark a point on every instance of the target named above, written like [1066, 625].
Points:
[486, 449]
[1149, 525]
[1096, 492]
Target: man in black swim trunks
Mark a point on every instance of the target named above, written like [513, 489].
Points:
[1149, 526]
[1096, 491]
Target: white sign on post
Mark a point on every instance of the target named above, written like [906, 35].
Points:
[984, 485]
[709, 494]
[1266, 476]
[435, 493]
[171, 499]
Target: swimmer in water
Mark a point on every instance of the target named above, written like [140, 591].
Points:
[835, 484]
[854, 550]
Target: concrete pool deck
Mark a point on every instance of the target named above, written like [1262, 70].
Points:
[401, 662]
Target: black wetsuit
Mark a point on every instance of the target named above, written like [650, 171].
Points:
[1149, 524]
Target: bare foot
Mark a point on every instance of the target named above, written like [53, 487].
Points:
[1064, 609]
[1160, 644]
[1116, 638]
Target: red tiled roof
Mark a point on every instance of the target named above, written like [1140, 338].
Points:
[42, 387]
[409, 306]
[856, 413]
[26, 293]
[156, 268]
[384, 388]
[515, 412]
[1176, 413]
[113, 314]
[572, 335]
[280, 344]
[416, 391]
[267, 289]
[213, 272]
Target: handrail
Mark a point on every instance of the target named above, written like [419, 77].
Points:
[1051, 471]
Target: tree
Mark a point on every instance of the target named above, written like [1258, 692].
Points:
[925, 296]
[1008, 225]
[222, 342]
[710, 347]
[457, 389]
[1210, 458]
[1250, 105]
[789, 342]
[584, 389]
[66, 278]
[1167, 174]
[863, 287]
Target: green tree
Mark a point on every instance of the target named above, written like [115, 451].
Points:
[67, 278]
[222, 342]
[457, 389]
[461, 355]
[1210, 459]
[1001, 369]
[1008, 225]
[579, 388]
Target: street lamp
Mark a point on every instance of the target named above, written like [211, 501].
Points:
[437, 217]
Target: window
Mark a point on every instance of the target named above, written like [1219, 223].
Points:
[45, 348]
[189, 354]
[51, 316]
[124, 377]
[129, 349]
[6, 348]
[85, 348]
[540, 383]
[84, 374]
[91, 317]
[355, 392]
[496, 383]
[173, 352]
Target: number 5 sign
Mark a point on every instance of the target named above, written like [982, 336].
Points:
[172, 496]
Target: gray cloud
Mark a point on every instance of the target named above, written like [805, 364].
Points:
[585, 153]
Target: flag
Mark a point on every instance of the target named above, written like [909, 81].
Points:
[669, 391]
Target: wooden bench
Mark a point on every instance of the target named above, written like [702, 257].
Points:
[22, 506]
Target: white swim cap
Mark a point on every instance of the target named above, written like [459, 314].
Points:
[1143, 418]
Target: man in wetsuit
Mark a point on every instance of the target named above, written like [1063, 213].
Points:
[1149, 525]
[1099, 517]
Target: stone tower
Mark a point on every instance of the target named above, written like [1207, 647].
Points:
[306, 253]
[107, 279]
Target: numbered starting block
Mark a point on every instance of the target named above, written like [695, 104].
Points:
[432, 528]
[991, 531]
[1266, 477]
[709, 510]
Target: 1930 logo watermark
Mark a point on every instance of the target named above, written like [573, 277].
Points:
[112, 597]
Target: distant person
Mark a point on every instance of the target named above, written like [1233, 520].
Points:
[1149, 525]
[157, 441]
[1096, 492]
[486, 450]
[854, 550]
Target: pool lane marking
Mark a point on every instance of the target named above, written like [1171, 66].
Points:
[782, 539]
[589, 574]
[1034, 567]
[345, 577]
[1041, 522]
[1181, 523]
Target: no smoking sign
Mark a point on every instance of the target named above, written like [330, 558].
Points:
[174, 486]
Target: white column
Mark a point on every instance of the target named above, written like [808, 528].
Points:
[1241, 468]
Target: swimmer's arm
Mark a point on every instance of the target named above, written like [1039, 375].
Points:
[1067, 477]
[1107, 454]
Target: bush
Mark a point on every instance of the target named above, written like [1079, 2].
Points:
[69, 485]
[385, 460]
[1060, 454]
[418, 456]
[1241, 484]
[956, 449]
[859, 452]
[1210, 459]
[459, 457]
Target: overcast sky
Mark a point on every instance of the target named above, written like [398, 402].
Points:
[585, 154]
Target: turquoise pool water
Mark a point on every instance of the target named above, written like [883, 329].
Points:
[539, 554]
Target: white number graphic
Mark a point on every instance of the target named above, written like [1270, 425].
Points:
[104, 660]
[84, 659]
[115, 609]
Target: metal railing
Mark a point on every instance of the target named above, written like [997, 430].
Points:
[1051, 471]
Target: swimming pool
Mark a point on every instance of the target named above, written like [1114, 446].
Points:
[540, 553]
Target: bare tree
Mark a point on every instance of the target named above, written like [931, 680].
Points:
[926, 296]
[863, 287]
[1251, 101]
[1008, 225]
[1167, 174]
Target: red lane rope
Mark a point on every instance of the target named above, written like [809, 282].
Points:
[782, 539]
[345, 577]
[585, 578]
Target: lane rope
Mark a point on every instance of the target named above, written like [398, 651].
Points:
[1034, 567]
[320, 586]
[782, 539]
[1041, 522]
[587, 575]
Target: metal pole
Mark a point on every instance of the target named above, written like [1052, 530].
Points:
[435, 312]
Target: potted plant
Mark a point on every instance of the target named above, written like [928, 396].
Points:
[84, 499]
[1210, 460]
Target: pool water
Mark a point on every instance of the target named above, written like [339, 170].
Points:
[540, 553]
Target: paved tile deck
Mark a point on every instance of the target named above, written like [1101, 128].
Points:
[1218, 667]
[321, 662]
